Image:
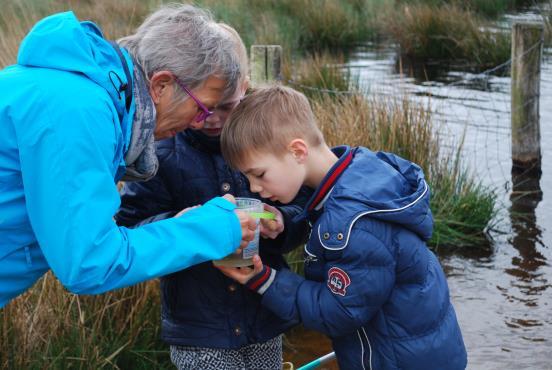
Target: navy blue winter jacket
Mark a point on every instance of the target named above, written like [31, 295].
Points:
[200, 306]
[372, 284]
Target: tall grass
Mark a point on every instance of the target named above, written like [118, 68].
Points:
[317, 74]
[300, 24]
[48, 327]
[116, 19]
[438, 30]
[487, 8]
[448, 32]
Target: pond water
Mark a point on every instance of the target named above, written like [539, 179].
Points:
[502, 294]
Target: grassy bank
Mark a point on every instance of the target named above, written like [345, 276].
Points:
[434, 29]
[448, 32]
[301, 24]
[50, 328]
[487, 8]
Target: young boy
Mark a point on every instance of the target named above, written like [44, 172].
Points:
[371, 283]
[209, 321]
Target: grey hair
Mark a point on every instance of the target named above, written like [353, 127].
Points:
[241, 53]
[186, 41]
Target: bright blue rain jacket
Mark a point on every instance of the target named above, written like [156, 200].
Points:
[64, 131]
[372, 284]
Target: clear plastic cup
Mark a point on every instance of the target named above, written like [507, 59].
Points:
[245, 257]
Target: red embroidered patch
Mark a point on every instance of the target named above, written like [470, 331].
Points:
[338, 281]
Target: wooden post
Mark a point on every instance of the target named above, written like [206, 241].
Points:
[526, 60]
[266, 64]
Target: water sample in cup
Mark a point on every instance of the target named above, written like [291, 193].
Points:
[249, 205]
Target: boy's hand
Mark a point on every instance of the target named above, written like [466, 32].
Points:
[272, 228]
[243, 274]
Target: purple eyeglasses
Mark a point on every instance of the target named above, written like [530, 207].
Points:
[204, 113]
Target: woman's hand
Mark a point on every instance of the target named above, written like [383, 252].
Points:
[272, 228]
[247, 224]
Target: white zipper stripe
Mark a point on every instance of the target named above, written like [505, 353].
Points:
[369, 346]
[372, 212]
[307, 251]
[362, 351]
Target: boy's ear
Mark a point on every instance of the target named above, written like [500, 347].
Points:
[299, 149]
[159, 83]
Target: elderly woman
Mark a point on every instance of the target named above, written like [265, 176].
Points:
[77, 114]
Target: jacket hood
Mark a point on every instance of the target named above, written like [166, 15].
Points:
[379, 185]
[61, 42]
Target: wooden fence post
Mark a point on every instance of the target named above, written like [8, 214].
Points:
[266, 64]
[526, 60]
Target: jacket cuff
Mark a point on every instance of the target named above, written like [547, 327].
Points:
[222, 203]
[261, 282]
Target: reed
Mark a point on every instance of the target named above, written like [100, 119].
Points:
[486, 8]
[49, 326]
[448, 32]
[320, 74]
[299, 24]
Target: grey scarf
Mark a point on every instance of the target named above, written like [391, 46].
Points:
[140, 159]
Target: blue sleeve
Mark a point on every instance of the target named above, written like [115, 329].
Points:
[313, 303]
[67, 156]
[145, 202]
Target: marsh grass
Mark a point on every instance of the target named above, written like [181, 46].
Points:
[49, 326]
[486, 8]
[320, 74]
[450, 33]
[116, 19]
[300, 25]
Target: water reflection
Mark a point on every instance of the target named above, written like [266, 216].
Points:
[531, 282]
[430, 73]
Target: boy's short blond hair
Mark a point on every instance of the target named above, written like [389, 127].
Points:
[266, 121]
